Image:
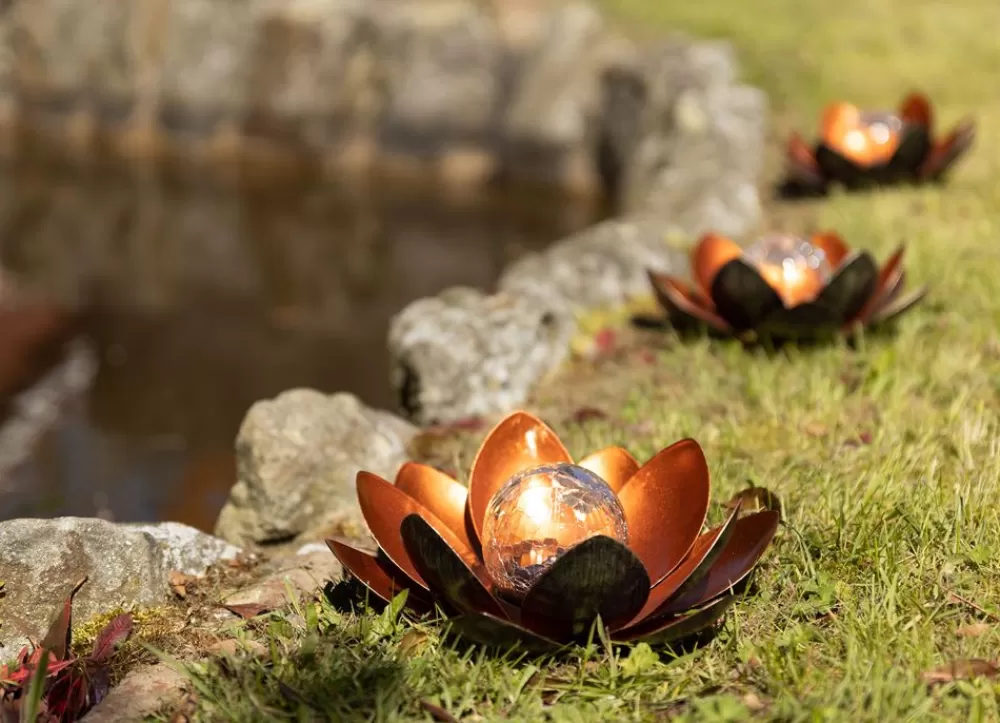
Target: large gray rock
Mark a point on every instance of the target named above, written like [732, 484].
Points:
[297, 457]
[464, 353]
[125, 565]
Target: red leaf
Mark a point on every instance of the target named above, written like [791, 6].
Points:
[247, 610]
[57, 640]
[114, 633]
[605, 340]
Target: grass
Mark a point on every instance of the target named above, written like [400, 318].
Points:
[886, 456]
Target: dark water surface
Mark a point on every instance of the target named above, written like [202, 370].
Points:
[207, 299]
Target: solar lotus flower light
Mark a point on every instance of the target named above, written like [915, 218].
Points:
[785, 287]
[538, 547]
[859, 148]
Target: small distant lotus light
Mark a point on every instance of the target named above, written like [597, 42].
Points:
[859, 148]
[539, 546]
[785, 287]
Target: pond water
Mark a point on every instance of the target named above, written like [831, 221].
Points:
[205, 299]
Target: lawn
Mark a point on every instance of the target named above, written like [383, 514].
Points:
[885, 455]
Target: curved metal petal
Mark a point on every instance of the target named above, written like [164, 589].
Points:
[804, 321]
[612, 464]
[665, 505]
[494, 632]
[684, 308]
[518, 442]
[899, 306]
[661, 631]
[440, 494]
[890, 278]
[801, 163]
[376, 576]
[851, 287]
[703, 555]
[914, 149]
[465, 588]
[946, 151]
[599, 576]
[750, 537]
[384, 506]
[832, 245]
[742, 297]
[710, 254]
[916, 109]
[838, 167]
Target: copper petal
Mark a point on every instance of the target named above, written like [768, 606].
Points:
[495, 632]
[945, 152]
[837, 121]
[439, 493]
[709, 255]
[916, 109]
[899, 306]
[518, 442]
[801, 162]
[612, 464]
[684, 308]
[750, 537]
[464, 587]
[703, 555]
[665, 505]
[742, 297]
[660, 631]
[833, 246]
[599, 576]
[376, 576]
[384, 506]
[889, 279]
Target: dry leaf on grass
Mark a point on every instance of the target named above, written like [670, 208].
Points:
[961, 670]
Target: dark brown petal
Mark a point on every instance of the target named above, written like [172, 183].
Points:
[889, 280]
[384, 506]
[612, 464]
[495, 632]
[466, 588]
[518, 442]
[833, 247]
[684, 308]
[945, 152]
[838, 167]
[801, 162]
[710, 254]
[899, 306]
[703, 555]
[916, 109]
[663, 630]
[742, 297]
[599, 576]
[376, 576]
[439, 493]
[750, 537]
[665, 505]
[804, 321]
[914, 148]
[851, 287]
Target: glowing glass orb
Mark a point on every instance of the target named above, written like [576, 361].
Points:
[539, 514]
[795, 268]
[876, 137]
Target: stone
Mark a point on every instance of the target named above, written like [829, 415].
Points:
[125, 565]
[297, 457]
[304, 574]
[464, 353]
[141, 693]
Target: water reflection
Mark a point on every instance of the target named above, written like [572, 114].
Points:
[203, 300]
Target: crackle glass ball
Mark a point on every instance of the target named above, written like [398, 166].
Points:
[539, 514]
[794, 267]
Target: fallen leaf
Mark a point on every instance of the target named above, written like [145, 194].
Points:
[178, 583]
[973, 630]
[411, 642]
[437, 712]
[587, 414]
[752, 701]
[605, 340]
[961, 670]
[113, 634]
[753, 499]
[247, 610]
[816, 429]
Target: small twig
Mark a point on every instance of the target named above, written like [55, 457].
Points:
[955, 597]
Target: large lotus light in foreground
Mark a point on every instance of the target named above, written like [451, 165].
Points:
[539, 546]
[785, 287]
[859, 148]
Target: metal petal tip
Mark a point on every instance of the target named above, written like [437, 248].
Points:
[890, 279]
[439, 493]
[898, 306]
[375, 575]
[670, 629]
[749, 539]
[833, 246]
[665, 505]
[599, 576]
[465, 588]
[801, 163]
[683, 306]
[916, 109]
[384, 507]
[710, 254]
[517, 443]
[612, 464]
